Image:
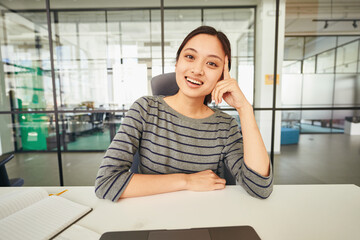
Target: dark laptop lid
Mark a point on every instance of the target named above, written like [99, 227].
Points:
[215, 233]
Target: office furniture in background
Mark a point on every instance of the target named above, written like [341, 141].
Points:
[4, 178]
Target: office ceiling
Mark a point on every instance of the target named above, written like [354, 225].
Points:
[301, 13]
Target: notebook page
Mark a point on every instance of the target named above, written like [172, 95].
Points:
[42, 220]
[76, 232]
[17, 200]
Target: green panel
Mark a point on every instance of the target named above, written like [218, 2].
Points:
[34, 131]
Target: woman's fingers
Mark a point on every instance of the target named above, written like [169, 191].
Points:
[220, 89]
[205, 181]
[226, 68]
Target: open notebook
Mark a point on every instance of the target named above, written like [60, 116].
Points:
[33, 214]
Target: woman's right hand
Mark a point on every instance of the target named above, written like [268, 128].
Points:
[204, 181]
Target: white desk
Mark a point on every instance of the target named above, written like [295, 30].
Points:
[291, 212]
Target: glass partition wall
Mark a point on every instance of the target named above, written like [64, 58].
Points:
[106, 53]
[104, 57]
[320, 87]
[321, 72]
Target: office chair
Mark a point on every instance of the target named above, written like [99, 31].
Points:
[165, 84]
[4, 179]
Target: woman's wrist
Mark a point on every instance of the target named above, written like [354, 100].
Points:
[244, 107]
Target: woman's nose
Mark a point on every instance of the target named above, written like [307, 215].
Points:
[197, 69]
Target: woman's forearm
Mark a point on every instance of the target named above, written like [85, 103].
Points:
[149, 184]
[255, 154]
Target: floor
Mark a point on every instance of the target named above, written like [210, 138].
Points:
[316, 159]
[319, 158]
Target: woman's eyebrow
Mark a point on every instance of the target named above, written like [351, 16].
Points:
[211, 55]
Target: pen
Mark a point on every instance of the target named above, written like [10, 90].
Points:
[58, 194]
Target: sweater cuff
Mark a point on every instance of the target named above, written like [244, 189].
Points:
[257, 185]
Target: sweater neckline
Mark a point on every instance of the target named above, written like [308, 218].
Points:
[210, 118]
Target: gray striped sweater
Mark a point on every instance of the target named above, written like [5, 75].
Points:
[169, 142]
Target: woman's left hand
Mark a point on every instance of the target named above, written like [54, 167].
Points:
[229, 90]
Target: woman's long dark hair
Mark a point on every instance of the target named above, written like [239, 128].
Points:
[213, 32]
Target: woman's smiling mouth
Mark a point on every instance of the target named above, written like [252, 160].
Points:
[193, 81]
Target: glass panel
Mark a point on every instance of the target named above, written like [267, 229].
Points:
[342, 119]
[155, 43]
[318, 90]
[347, 90]
[290, 119]
[238, 26]
[309, 65]
[291, 67]
[80, 169]
[316, 45]
[35, 168]
[343, 40]
[35, 132]
[202, 3]
[358, 65]
[91, 133]
[87, 131]
[25, 71]
[291, 90]
[102, 55]
[325, 62]
[294, 48]
[322, 166]
[178, 23]
[292, 165]
[346, 58]
[264, 121]
[317, 122]
[314, 157]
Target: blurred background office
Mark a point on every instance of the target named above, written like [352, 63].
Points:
[63, 98]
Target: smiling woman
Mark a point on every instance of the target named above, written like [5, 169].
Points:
[184, 144]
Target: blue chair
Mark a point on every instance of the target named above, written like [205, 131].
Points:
[165, 84]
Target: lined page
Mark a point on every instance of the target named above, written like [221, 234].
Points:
[17, 200]
[42, 220]
[76, 232]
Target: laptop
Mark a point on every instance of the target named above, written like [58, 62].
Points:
[214, 233]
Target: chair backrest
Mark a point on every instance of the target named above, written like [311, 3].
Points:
[164, 84]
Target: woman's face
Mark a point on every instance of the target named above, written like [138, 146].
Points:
[200, 65]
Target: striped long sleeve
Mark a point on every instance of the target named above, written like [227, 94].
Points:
[114, 175]
[255, 184]
[169, 142]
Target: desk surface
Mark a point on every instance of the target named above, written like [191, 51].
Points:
[291, 212]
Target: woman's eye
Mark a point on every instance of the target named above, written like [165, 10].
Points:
[189, 56]
[212, 64]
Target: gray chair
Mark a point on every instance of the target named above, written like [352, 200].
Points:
[165, 84]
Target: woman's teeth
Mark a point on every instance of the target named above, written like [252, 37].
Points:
[193, 81]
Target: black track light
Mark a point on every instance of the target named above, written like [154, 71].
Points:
[326, 24]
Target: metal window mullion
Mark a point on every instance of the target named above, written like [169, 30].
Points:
[274, 82]
[54, 93]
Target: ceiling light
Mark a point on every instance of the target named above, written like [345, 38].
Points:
[326, 24]
[354, 24]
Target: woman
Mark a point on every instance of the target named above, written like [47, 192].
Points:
[183, 144]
